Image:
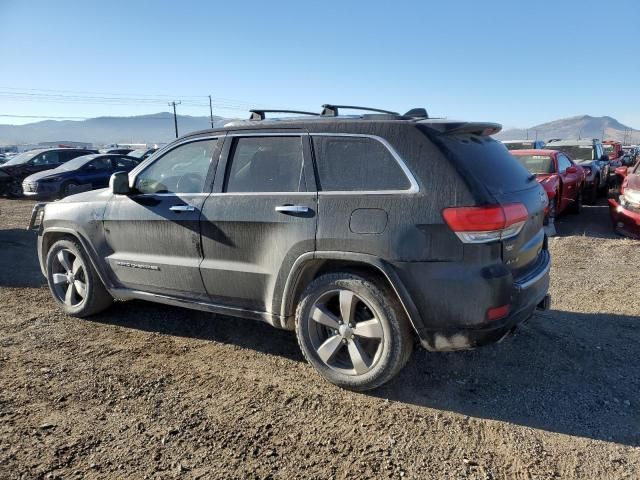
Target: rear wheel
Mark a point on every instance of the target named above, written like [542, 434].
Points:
[73, 281]
[353, 331]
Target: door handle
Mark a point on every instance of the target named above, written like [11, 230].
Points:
[182, 208]
[292, 209]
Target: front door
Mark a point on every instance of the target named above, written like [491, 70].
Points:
[259, 220]
[154, 233]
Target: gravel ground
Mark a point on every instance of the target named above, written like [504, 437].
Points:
[150, 391]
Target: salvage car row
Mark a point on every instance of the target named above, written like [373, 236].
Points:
[58, 172]
[573, 171]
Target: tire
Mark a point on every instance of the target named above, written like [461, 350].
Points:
[15, 189]
[592, 197]
[73, 282]
[67, 189]
[365, 352]
[552, 216]
[576, 207]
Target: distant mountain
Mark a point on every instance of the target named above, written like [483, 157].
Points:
[155, 128]
[582, 126]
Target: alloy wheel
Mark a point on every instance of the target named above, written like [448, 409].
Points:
[345, 332]
[69, 278]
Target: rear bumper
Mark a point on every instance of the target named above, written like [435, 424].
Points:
[625, 222]
[454, 318]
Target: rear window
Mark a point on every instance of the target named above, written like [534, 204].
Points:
[576, 152]
[519, 145]
[489, 162]
[357, 164]
[536, 163]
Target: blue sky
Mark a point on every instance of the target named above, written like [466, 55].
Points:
[517, 63]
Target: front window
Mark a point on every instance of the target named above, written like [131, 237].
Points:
[538, 164]
[181, 170]
[579, 153]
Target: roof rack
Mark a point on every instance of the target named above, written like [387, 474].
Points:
[259, 114]
[329, 110]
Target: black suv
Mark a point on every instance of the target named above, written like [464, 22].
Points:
[363, 233]
[14, 171]
[590, 155]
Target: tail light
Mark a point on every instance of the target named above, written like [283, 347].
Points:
[486, 224]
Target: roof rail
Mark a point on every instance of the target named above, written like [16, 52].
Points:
[259, 114]
[329, 110]
[417, 113]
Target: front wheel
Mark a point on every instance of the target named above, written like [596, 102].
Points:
[15, 189]
[353, 331]
[73, 282]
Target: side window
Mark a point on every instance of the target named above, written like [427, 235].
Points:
[120, 162]
[98, 164]
[356, 163]
[265, 164]
[563, 163]
[181, 170]
[47, 158]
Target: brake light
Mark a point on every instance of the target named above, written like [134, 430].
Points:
[497, 313]
[486, 224]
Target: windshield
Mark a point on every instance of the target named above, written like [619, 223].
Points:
[536, 163]
[579, 153]
[77, 162]
[22, 158]
[608, 148]
[519, 145]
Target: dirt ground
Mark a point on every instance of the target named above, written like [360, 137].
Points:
[150, 391]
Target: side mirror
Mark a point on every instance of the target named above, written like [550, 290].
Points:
[572, 169]
[119, 183]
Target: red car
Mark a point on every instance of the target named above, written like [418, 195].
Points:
[625, 213]
[561, 178]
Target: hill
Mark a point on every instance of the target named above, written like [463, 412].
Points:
[582, 126]
[155, 128]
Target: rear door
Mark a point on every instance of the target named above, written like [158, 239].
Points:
[95, 174]
[154, 233]
[259, 219]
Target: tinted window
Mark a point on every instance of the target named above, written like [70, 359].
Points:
[47, 158]
[101, 163]
[356, 163]
[181, 170]
[563, 163]
[120, 162]
[266, 164]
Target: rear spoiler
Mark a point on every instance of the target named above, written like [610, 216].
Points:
[452, 127]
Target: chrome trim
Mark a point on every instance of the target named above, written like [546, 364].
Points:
[246, 194]
[414, 188]
[531, 280]
[182, 208]
[292, 209]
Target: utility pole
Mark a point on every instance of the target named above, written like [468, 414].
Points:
[175, 117]
[211, 110]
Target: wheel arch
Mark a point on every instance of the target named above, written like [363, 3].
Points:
[313, 264]
[52, 235]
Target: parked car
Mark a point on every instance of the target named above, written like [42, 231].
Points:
[14, 171]
[590, 155]
[561, 178]
[88, 172]
[625, 212]
[3, 159]
[631, 155]
[142, 153]
[119, 151]
[362, 233]
[523, 144]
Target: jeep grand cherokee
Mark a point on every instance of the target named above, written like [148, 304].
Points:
[363, 233]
